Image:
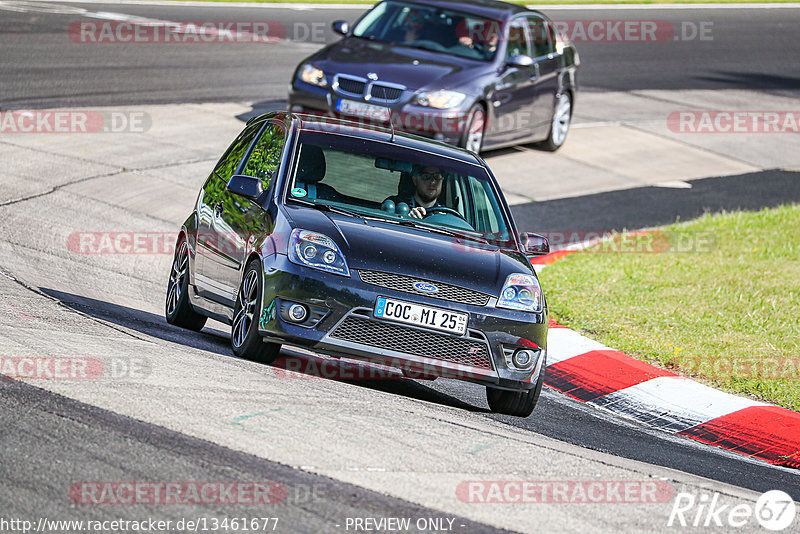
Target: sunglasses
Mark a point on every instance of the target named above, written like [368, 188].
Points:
[431, 177]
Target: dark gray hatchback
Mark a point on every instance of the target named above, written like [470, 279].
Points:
[480, 74]
[364, 244]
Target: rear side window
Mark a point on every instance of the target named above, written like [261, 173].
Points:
[266, 155]
[230, 161]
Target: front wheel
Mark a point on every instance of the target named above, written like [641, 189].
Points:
[559, 124]
[516, 403]
[245, 339]
[472, 139]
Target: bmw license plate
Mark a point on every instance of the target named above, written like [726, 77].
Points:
[416, 314]
[361, 109]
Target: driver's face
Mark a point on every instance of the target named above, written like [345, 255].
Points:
[429, 183]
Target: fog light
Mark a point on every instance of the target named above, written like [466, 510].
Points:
[298, 313]
[522, 359]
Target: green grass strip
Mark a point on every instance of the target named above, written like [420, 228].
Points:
[716, 299]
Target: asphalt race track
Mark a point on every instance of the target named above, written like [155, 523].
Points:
[182, 408]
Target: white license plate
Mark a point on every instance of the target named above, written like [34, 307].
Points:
[416, 314]
[361, 109]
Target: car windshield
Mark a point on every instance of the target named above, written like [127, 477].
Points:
[381, 180]
[429, 28]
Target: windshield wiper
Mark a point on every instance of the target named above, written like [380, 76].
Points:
[436, 229]
[329, 208]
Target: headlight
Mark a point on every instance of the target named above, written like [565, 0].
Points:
[317, 251]
[440, 99]
[313, 75]
[521, 292]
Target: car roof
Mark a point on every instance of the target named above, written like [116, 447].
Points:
[491, 9]
[332, 125]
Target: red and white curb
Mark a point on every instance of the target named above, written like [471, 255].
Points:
[595, 374]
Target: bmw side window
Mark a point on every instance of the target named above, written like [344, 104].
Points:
[540, 34]
[517, 41]
[233, 156]
[266, 154]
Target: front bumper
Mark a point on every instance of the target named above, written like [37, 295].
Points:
[442, 125]
[341, 323]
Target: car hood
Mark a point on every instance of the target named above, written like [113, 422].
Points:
[412, 67]
[379, 246]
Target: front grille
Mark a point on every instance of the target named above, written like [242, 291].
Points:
[384, 92]
[400, 282]
[388, 336]
[354, 87]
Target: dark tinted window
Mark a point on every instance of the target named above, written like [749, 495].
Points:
[266, 155]
[233, 156]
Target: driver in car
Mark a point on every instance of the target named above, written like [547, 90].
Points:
[427, 188]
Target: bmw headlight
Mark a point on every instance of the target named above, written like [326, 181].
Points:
[441, 99]
[317, 251]
[521, 292]
[311, 74]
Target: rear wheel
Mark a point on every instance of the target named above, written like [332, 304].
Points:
[472, 138]
[245, 339]
[178, 310]
[516, 403]
[559, 124]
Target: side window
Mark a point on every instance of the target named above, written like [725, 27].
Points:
[233, 156]
[484, 212]
[266, 155]
[541, 37]
[517, 41]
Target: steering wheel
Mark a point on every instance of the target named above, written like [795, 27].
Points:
[444, 209]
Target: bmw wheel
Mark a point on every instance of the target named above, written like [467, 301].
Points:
[559, 125]
[472, 138]
[178, 310]
[245, 339]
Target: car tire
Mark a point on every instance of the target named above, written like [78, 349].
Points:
[246, 342]
[516, 403]
[472, 138]
[177, 308]
[559, 123]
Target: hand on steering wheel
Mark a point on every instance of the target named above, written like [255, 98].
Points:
[442, 209]
[418, 213]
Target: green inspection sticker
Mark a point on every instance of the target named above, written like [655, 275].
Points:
[298, 192]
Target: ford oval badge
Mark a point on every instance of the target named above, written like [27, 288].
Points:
[426, 287]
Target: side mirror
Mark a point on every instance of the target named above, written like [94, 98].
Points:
[341, 27]
[520, 61]
[534, 244]
[246, 186]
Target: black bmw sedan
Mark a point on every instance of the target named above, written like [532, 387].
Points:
[480, 74]
[366, 244]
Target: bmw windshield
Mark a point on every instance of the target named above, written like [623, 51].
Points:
[384, 181]
[439, 30]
